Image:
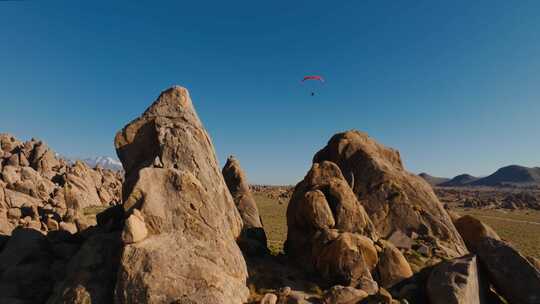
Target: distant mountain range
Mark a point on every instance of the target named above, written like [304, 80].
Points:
[514, 176]
[104, 162]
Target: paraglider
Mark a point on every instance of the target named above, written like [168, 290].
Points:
[314, 78]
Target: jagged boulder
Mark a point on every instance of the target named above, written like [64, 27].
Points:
[514, 277]
[457, 281]
[394, 198]
[328, 228]
[173, 179]
[253, 237]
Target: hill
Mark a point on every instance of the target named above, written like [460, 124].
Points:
[433, 180]
[460, 181]
[513, 175]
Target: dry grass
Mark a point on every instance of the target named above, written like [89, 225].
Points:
[274, 217]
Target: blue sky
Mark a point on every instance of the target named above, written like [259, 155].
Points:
[454, 86]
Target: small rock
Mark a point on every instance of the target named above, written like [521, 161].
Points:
[296, 298]
[52, 225]
[368, 285]
[134, 229]
[69, 227]
[400, 240]
[344, 295]
[14, 213]
[285, 291]
[36, 225]
[423, 249]
[269, 298]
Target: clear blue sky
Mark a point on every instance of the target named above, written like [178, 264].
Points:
[454, 86]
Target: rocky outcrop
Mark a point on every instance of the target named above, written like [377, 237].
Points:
[328, 228]
[253, 238]
[40, 191]
[514, 277]
[172, 178]
[473, 231]
[457, 281]
[394, 198]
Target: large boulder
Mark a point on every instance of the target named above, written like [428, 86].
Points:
[173, 179]
[456, 281]
[392, 267]
[253, 238]
[514, 277]
[472, 231]
[328, 228]
[394, 198]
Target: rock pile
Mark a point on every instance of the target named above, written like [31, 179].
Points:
[182, 221]
[40, 191]
[330, 233]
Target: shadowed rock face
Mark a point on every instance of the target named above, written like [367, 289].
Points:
[457, 281]
[253, 238]
[513, 276]
[394, 198]
[172, 178]
[328, 229]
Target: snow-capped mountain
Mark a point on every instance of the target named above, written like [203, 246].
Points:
[104, 162]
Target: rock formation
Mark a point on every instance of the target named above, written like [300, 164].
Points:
[253, 239]
[173, 179]
[328, 229]
[513, 276]
[40, 191]
[394, 198]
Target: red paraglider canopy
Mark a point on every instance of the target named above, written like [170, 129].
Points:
[313, 77]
